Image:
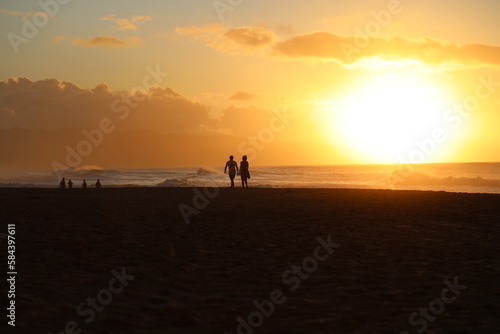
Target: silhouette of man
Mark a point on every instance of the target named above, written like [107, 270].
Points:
[98, 184]
[84, 184]
[244, 173]
[62, 184]
[233, 169]
[70, 184]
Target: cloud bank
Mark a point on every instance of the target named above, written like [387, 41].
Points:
[350, 49]
[343, 49]
[53, 104]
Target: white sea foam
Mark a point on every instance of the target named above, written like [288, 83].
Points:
[466, 177]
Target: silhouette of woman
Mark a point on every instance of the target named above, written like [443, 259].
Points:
[244, 173]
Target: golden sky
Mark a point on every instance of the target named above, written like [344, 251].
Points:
[374, 81]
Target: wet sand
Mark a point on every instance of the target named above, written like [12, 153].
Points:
[253, 261]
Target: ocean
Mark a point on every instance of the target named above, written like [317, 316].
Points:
[452, 177]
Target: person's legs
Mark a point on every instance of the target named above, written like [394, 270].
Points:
[244, 182]
[232, 181]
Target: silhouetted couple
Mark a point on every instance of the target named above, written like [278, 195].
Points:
[62, 184]
[233, 170]
[97, 184]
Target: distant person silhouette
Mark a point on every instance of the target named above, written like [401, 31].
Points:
[98, 184]
[62, 184]
[233, 169]
[84, 184]
[244, 173]
[70, 184]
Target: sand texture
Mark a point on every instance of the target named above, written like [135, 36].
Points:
[333, 261]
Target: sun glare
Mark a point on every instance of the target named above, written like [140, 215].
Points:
[382, 121]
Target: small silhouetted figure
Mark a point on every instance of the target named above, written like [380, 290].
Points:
[98, 184]
[233, 169]
[62, 184]
[244, 173]
[84, 184]
[70, 184]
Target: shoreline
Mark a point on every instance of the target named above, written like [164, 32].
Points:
[138, 187]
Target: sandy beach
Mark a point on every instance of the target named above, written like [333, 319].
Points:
[125, 260]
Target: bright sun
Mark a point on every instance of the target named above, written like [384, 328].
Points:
[381, 122]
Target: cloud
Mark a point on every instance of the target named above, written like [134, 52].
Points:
[350, 49]
[127, 24]
[250, 37]
[343, 49]
[54, 104]
[25, 14]
[229, 40]
[108, 42]
[242, 96]
[57, 39]
[8, 111]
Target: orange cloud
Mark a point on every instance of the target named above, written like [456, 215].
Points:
[108, 42]
[229, 40]
[57, 39]
[343, 49]
[25, 14]
[126, 24]
[348, 50]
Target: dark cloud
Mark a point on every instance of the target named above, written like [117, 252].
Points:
[250, 36]
[106, 42]
[229, 40]
[242, 96]
[53, 104]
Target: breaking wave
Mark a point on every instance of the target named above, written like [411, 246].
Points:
[420, 179]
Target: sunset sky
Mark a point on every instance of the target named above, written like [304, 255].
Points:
[376, 81]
